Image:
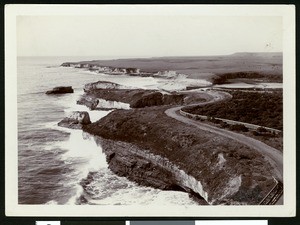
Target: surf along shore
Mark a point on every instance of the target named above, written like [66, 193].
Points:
[152, 148]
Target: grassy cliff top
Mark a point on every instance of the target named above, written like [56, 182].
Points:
[195, 151]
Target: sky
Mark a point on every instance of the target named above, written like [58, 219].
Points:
[147, 35]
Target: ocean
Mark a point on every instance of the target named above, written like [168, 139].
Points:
[63, 166]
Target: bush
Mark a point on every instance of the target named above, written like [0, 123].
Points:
[224, 124]
[199, 118]
[239, 127]
[216, 121]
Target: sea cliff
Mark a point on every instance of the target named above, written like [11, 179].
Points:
[152, 149]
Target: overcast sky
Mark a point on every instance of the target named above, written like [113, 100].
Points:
[146, 35]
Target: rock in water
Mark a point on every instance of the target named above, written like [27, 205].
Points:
[60, 90]
[75, 120]
[89, 102]
[94, 104]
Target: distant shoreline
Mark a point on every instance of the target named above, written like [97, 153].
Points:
[253, 65]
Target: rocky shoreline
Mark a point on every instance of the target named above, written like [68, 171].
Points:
[148, 147]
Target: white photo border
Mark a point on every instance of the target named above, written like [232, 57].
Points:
[12, 208]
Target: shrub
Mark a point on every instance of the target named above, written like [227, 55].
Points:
[239, 127]
[224, 124]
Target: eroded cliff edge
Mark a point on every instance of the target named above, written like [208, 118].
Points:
[153, 149]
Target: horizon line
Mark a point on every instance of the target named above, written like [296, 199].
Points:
[150, 56]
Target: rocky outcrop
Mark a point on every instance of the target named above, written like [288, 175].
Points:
[60, 90]
[89, 102]
[137, 98]
[75, 120]
[103, 85]
[100, 104]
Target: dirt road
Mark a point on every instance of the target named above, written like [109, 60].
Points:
[273, 155]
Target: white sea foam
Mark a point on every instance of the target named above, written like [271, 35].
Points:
[181, 83]
[133, 194]
[97, 115]
[83, 154]
[54, 126]
[113, 104]
[94, 114]
[130, 81]
[80, 145]
[106, 188]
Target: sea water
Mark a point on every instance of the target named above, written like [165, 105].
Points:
[63, 166]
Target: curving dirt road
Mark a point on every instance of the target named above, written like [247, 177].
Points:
[273, 155]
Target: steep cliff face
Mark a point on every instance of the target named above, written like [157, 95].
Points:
[148, 169]
[142, 141]
[137, 98]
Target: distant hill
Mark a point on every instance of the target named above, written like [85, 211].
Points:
[204, 67]
[258, 54]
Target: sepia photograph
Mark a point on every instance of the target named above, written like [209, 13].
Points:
[150, 110]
